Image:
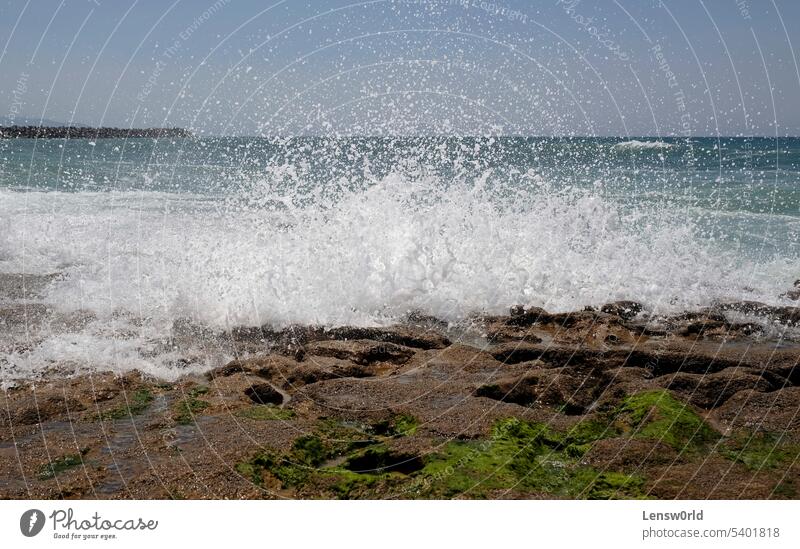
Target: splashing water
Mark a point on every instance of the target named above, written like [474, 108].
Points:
[291, 242]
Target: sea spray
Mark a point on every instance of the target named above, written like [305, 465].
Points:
[340, 236]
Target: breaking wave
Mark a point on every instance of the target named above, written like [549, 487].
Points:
[135, 263]
[635, 145]
[369, 255]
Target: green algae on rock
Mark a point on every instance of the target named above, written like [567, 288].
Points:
[190, 405]
[266, 412]
[657, 415]
[137, 404]
[59, 465]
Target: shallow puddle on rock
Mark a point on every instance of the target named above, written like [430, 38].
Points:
[123, 435]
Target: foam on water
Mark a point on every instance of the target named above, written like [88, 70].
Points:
[357, 254]
[637, 145]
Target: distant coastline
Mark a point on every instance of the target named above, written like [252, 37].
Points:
[72, 132]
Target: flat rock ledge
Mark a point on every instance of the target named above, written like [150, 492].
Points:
[599, 403]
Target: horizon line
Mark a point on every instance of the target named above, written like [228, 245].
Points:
[200, 134]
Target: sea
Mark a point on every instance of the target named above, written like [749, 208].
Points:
[110, 247]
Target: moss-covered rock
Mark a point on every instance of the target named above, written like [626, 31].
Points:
[190, 405]
[396, 426]
[136, 404]
[524, 456]
[341, 460]
[758, 451]
[61, 464]
[657, 415]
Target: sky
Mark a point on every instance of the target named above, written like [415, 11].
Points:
[406, 67]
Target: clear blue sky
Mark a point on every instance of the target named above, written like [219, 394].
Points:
[624, 67]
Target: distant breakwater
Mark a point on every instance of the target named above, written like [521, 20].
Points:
[70, 132]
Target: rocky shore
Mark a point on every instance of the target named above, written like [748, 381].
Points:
[81, 132]
[600, 403]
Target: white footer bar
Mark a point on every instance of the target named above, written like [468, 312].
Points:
[388, 524]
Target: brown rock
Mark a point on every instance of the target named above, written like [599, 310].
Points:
[517, 351]
[400, 335]
[264, 393]
[784, 315]
[555, 387]
[629, 454]
[361, 351]
[40, 410]
[711, 478]
[291, 374]
[520, 316]
[625, 374]
[502, 332]
[776, 412]
[712, 390]
[626, 310]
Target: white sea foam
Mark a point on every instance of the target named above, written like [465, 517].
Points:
[367, 256]
[636, 145]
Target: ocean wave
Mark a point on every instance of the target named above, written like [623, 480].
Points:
[137, 263]
[367, 256]
[636, 145]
